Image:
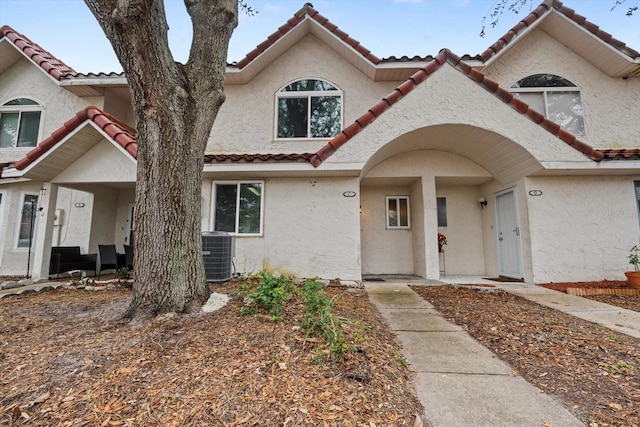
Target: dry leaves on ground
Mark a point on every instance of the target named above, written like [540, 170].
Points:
[593, 370]
[68, 359]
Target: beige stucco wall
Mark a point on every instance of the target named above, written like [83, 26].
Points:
[24, 79]
[607, 101]
[13, 260]
[75, 225]
[446, 97]
[246, 121]
[464, 252]
[310, 229]
[385, 251]
[582, 227]
[103, 163]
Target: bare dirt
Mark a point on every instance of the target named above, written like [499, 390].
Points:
[68, 359]
[594, 371]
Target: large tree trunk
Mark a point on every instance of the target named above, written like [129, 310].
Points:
[174, 106]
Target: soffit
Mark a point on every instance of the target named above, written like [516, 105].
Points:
[602, 55]
[9, 55]
[64, 153]
[501, 157]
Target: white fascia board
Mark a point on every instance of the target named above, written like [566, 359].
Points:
[352, 169]
[604, 165]
[12, 175]
[94, 81]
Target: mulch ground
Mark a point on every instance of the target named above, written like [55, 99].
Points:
[68, 359]
[594, 371]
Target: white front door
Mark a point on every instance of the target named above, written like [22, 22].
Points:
[508, 228]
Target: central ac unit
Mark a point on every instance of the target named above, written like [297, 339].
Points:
[218, 250]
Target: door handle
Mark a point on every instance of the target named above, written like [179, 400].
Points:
[517, 231]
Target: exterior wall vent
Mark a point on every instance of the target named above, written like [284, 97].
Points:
[218, 250]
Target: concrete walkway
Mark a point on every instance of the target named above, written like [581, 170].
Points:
[460, 382]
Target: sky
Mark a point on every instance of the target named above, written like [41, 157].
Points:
[67, 29]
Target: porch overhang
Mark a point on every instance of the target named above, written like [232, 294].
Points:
[502, 158]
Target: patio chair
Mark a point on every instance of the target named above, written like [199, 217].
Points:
[108, 258]
[128, 255]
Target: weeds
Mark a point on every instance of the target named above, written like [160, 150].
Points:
[319, 320]
[270, 294]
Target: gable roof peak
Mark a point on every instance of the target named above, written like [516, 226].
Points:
[38, 55]
[536, 17]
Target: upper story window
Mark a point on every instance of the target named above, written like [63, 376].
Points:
[309, 108]
[19, 123]
[556, 97]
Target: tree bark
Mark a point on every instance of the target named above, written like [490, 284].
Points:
[174, 106]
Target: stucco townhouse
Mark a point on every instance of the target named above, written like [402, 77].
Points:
[327, 161]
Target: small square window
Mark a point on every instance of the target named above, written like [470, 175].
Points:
[397, 212]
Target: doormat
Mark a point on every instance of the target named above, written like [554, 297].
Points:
[503, 279]
[373, 279]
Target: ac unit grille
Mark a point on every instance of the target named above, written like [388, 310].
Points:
[217, 254]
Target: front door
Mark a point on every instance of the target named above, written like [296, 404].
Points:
[508, 228]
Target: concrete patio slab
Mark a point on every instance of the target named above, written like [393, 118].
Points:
[415, 319]
[449, 352]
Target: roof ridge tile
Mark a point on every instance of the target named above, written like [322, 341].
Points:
[571, 14]
[483, 81]
[298, 17]
[37, 54]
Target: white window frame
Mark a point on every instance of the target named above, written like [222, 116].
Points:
[212, 222]
[20, 109]
[397, 199]
[308, 94]
[23, 196]
[545, 91]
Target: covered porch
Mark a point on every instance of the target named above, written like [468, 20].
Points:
[433, 180]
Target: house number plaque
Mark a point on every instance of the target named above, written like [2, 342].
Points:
[535, 192]
[349, 194]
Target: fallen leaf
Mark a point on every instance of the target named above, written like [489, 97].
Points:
[615, 406]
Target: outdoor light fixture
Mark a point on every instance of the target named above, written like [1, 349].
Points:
[483, 202]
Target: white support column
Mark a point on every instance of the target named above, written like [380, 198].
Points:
[44, 218]
[430, 227]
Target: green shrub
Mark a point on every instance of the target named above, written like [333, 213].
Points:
[320, 322]
[270, 294]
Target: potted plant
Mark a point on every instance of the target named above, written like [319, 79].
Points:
[442, 241]
[633, 277]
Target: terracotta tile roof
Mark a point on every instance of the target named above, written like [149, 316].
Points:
[125, 136]
[298, 17]
[250, 158]
[621, 153]
[45, 60]
[569, 13]
[116, 129]
[489, 85]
